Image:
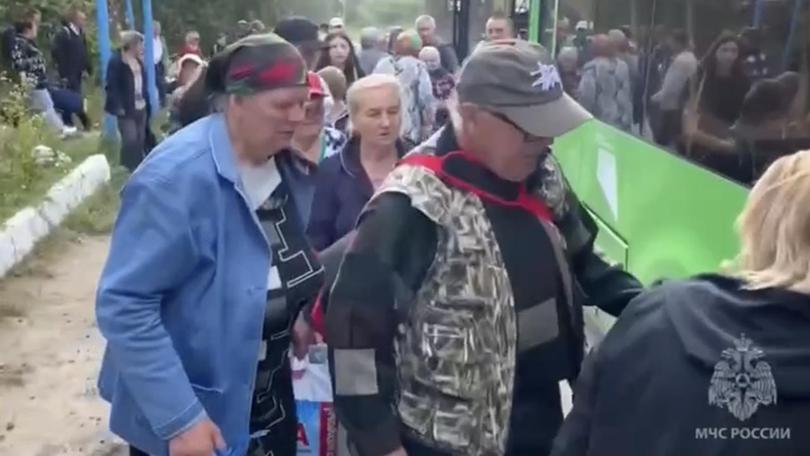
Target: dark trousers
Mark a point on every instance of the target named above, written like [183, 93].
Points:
[136, 452]
[67, 119]
[669, 128]
[273, 412]
[160, 81]
[68, 103]
[133, 139]
[73, 85]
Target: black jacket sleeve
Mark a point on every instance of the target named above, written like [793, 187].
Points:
[449, 58]
[114, 103]
[573, 437]
[88, 61]
[608, 287]
[324, 210]
[60, 49]
[384, 265]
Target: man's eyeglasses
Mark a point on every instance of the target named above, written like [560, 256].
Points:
[527, 137]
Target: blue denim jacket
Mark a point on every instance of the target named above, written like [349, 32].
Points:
[182, 297]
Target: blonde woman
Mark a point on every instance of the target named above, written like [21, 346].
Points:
[718, 364]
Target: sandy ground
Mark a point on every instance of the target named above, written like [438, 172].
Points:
[51, 351]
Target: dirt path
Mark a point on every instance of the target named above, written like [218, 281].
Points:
[50, 355]
[50, 352]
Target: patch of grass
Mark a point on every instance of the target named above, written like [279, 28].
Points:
[24, 181]
[94, 104]
[15, 195]
[97, 214]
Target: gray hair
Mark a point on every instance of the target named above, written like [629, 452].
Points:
[130, 38]
[369, 37]
[372, 81]
[617, 36]
[425, 20]
[430, 52]
[568, 53]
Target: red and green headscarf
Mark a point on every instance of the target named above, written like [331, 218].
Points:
[254, 64]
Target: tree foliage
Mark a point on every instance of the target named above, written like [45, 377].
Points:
[384, 13]
[212, 17]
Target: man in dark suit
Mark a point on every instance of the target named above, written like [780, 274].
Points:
[70, 53]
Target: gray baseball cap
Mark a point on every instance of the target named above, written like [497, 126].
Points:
[518, 79]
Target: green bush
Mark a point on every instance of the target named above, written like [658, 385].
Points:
[21, 134]
[24, 180]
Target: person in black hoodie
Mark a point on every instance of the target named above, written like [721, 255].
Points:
[714, 365]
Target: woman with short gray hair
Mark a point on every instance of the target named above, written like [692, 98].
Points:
[128, 98]
[346, 181]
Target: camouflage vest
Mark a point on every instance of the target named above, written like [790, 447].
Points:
[456, 356]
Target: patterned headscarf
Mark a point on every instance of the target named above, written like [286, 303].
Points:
[254, 64]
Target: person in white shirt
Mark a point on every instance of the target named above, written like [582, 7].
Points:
[161, 60]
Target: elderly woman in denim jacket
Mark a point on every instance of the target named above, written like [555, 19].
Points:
[208, 270]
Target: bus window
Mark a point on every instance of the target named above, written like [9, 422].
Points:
[724, 83]
[596, 48]
[745, 102]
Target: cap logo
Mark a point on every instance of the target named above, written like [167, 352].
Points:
[547, 77]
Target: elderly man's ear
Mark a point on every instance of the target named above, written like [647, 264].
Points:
[469, 113]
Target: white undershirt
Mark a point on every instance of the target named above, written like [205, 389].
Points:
[259, 182]
[158, 49]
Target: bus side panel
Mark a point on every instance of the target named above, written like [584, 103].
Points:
[676, 218]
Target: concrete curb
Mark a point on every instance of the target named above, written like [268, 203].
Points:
[20, 233]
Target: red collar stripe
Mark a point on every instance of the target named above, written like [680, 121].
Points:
[435, 164]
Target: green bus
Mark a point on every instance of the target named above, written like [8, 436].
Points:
[663, 212]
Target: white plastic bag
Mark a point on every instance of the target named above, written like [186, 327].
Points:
[311, 376]
[317, 424]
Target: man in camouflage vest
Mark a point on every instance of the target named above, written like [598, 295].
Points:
[457, 309]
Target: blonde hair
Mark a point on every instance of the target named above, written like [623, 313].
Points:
[130, 38]
[774, 227]
[373, 81]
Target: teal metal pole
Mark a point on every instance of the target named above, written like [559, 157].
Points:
[129, 14]
[102, 19]
[149, 55]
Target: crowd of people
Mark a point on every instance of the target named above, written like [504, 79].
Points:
[732, 109]
[413, 213]
[58, 98]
